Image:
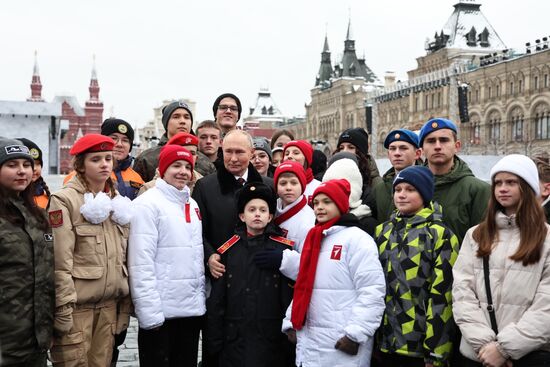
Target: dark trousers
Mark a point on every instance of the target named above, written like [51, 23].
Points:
[396, 360]
[119, 340]
[175, 343]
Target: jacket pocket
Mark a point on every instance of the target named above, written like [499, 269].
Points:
[89, 239]
[87, 272]
[68, 348]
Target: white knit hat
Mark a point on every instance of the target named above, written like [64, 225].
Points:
[519, 165]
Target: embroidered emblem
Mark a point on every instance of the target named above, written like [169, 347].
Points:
[397, 135]
[252, 188]
[122, 129]
[13, 149]
[48, 237]
[56, 218]
[34, 153]
[227, 245]
[284, 241]
[103, 146]
[198, 213]
[434, 125]
[336, 252]
[187, 141]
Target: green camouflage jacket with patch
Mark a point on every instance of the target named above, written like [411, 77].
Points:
[417, 254]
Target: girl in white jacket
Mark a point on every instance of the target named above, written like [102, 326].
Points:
[339, 294]
[514, 237]
[165, 260]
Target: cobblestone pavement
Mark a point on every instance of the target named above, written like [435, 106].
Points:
[128, 356]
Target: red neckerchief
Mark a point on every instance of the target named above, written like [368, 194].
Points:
[290, 212]
[309, 175]
[306, 275]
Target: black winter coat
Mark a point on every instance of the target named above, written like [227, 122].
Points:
[215, 195]
[247, 306]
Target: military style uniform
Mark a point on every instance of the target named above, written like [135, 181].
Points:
[90, 279]
[247, 304]
[27, 289]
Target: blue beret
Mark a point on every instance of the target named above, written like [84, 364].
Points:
[436, 124]
[405, 135]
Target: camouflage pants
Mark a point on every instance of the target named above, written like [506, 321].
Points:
[90, 341]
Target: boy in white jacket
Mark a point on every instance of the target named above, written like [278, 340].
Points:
[339, 294]
[165, 258]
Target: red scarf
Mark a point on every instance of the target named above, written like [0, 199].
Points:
[306, 275]
[309, 175]
[290, 213]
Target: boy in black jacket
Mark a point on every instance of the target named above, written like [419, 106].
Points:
[248, 303]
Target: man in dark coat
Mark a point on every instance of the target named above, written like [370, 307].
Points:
[215, 195]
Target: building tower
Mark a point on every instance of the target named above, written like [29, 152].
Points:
[325, 69]
[36, 84]
[94, 107]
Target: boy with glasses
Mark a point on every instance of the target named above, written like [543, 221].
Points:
[227, 111]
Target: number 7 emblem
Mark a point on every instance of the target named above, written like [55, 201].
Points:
[336, 252]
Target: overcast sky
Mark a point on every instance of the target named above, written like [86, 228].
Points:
[148, 51]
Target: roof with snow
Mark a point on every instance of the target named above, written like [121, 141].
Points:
[71, 101]
[30, 108]
[265, 105]
[468, 29]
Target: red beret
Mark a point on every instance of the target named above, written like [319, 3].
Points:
[171, 153]
[92, 143]
[183, 139]
[338, 190]
[304, 146]
[291, 167]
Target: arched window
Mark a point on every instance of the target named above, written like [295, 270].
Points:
[494, 127]
[542, 121]
[475, 132]
[517, 124]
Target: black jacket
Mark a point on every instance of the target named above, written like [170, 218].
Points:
[215, 195]
[247, 306]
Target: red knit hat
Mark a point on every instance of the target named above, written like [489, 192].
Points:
[183, 139]
[171, 153]
[338, 190]
[92, 143]
[305, 148]
[291, 167]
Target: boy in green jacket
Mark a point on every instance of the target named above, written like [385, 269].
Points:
[417, 252]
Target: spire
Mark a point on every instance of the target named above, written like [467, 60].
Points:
[349, 34]
[325, 47]
[94, 85]
[36, 84]
[325, 70]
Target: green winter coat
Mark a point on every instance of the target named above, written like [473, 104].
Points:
[148, 161]
[417, 254]
[464, 198]
[27, 299]
[383, 196]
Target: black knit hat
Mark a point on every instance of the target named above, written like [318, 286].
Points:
[356, 136]
[227, 95]
[421, 178]
[169, 109]
[34, 150]
[112, 125]
[256, 190]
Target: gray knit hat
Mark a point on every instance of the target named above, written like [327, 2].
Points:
[261, 143]
[13, 149]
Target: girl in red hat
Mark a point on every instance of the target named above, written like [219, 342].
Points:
[339, 294]
[302, 152]
[90, 223]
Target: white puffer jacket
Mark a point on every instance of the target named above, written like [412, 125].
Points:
[521, 295]
[348, 299]
[165, 256]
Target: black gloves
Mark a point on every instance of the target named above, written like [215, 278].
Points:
[269, 259]
[347, 345]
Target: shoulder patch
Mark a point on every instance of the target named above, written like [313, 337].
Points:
[135, 185]
[284, 241]
[56, 218]
[227, 245]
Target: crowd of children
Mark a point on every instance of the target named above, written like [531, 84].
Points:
[288, 271]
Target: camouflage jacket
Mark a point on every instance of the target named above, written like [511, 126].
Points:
[27, 287]
[417, 254]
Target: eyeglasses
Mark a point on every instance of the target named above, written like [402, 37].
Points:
[224, 107]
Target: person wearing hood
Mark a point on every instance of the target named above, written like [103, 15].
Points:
[403, 151]
[462, 196]
[417, 252]
[344, 165]
[90, 225]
